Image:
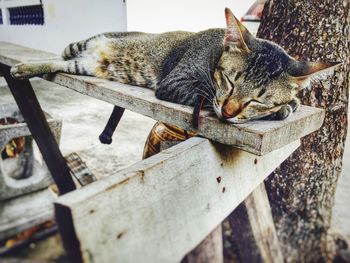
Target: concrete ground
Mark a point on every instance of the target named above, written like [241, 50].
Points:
[84, 119]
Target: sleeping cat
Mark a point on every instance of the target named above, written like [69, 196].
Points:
[239, 76]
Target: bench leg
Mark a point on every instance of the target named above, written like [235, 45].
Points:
[33, 115]
[253, 229]
[210, 250]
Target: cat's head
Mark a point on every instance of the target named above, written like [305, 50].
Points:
[254, 78]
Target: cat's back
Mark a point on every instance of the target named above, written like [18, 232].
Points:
[149, 46]
[134, 57]
[139, 58]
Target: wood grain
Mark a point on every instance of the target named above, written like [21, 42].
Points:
[258, 137]
[253, 229]
[211, 248]
[162, 208]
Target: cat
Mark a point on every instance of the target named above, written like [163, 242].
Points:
[238, 76]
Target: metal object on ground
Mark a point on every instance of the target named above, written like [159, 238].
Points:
[79, 169]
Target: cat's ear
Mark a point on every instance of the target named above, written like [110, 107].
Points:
[301, 72]
[236, 34]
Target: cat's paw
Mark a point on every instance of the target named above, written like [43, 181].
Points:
[281, 114]
[284, 112]
[294, 104]
[21, 71]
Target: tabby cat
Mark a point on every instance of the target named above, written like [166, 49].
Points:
[239, 76]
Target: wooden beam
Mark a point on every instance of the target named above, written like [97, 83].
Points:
[258, 137]
[158, 210]
[253, 229]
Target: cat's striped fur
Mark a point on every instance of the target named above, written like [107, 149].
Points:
[241, 77]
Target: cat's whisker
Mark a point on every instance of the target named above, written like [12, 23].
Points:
[204, 94]
[204, 97]
[208, 107]
[200, 93]
[210, 87]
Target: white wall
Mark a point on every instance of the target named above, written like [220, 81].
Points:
[67, 21]
[71, 20]
[191, 15]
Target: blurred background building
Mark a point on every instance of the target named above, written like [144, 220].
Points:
[51, 24]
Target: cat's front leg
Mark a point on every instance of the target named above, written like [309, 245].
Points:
[283, 112]
[22, 71]
[32, 69]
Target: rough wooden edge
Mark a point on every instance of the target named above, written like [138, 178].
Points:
[258, 137]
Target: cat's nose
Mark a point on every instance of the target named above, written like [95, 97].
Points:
[225, 114]
[231, 110]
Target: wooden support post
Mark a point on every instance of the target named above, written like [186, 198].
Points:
[210, 250]
[39, 128]
[253, 229]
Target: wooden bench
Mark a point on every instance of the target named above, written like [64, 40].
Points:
[161, 208]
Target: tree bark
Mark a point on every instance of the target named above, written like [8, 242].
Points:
[302, 190]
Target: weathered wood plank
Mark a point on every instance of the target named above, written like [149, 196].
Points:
[259, 137]
[211, 248]
[164, 210]
[263, 227]
[253, 229]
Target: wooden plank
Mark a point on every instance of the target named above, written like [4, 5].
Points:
[253, 229]
[211, 248]
[158, 210]
[258, 137]
[263, 227]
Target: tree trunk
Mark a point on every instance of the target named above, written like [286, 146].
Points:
[302, 190]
